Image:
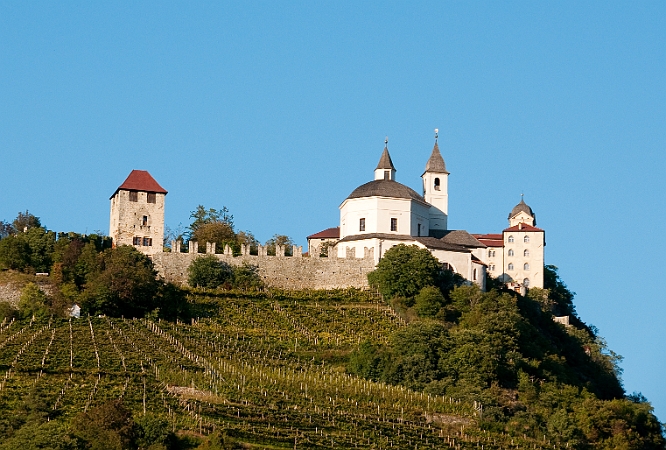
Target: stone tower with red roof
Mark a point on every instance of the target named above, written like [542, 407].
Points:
[137, 213]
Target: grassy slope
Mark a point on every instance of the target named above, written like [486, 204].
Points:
[269, 371]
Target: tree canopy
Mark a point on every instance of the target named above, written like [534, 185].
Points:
[406, 269]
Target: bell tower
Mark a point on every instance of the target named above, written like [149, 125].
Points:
[436, 188]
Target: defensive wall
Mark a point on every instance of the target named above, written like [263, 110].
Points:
[280, 271]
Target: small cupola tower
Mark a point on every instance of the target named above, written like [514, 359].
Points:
[436, 188]
[522, 213]
[385, 169]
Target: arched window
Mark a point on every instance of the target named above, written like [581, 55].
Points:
[510, 240]
[526, 266]
[526, 239]
[526, 282]
[437, 184]
[491, 267]
[526, 253]
[510, 252]
[510, 266]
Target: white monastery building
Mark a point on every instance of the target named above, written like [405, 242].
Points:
[376, 216]
[383, 213]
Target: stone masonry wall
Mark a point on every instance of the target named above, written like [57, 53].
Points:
[286, 272]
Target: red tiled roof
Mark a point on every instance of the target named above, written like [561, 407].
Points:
[488, 236]
[493, 243]
[141, 180]
[522, 227]
[328, 233]
[490, 240]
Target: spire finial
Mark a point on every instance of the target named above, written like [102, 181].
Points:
[386, 141]
[436, 134]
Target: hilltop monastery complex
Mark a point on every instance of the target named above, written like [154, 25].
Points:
[376, 216]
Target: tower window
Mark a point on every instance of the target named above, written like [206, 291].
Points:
[136, 241]
[147, 242]
[134, 196]
[510, 252]
[526, 253]
[152, 197]
[510, 240]
[510, 266]
[394, 224]
[144, 221]
[387, 174]
[437, 186]
[526, 239]
[361, 224]
[526, 266]
[474, 275]
[526, 282]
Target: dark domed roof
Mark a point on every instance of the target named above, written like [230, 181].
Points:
[521, 207]
[385, 188]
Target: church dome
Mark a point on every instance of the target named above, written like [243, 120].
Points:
[521, 207]
[385, 188]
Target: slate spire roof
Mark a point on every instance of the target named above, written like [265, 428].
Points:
[385, 160]
[436, 162]
[141, 180]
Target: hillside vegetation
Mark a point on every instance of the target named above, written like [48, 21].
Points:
[431, 362]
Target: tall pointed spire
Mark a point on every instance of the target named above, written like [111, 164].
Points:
[385, 169]
[436, 162]
[385, 160]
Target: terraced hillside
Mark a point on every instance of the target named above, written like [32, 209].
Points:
[268, 371]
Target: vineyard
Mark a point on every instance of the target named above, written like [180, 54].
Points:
[269, 372]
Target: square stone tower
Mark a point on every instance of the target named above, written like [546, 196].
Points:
[137, 213]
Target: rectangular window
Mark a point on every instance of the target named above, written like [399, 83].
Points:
[134, 196]
[147, 242]
[136, 241]
[394, 224]
[418, 230]
[144, 221]
[361, 225]
[151, 197]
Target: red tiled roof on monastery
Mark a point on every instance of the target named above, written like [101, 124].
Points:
[522, 227]
[141, 180]
[328, 233]
[490, 240]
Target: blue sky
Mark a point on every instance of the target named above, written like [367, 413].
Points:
[278, 110]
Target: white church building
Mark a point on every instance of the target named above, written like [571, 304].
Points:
[383, 213]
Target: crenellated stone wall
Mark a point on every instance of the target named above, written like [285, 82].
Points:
[280, 271]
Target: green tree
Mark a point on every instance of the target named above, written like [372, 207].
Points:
[203, 216]
[220, 233]
[246, 276]
[14, 253]
[6, 229]
[25, 221]
[126, 284]
[109, 426]
[404, 270]
[33, 302]
[209, 272]
[280, 239]
[429, 301]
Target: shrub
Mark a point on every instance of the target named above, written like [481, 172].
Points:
[209, 272]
